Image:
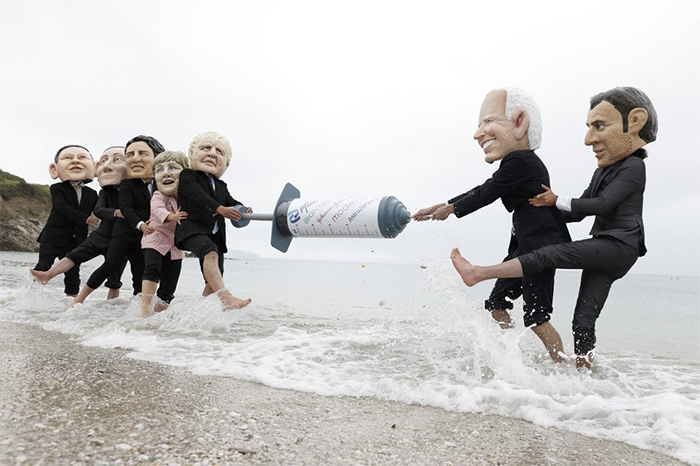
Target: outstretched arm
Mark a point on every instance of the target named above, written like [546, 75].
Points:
[549, 199]
[436, 212]
[630, 179]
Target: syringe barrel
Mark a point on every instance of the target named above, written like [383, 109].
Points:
[349, 217]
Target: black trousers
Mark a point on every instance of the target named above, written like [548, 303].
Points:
[537, 291]
[48, 253]
[200, 245]
[86, 251]
[603, 260]
[119, 249]
[162, 269]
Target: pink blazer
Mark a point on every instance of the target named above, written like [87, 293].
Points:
[163, 238]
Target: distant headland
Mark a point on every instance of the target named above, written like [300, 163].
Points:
[24, 208]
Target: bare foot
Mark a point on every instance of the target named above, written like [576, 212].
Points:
[584, 361]
[231, 302]
[41, 277]
[160, 306]
[464, 268]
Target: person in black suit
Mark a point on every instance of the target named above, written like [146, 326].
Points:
[510, 131]
[620, 122]
[206, 199]
[110, 170]
[71, 211]
[135, 207]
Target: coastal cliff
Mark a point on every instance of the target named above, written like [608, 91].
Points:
[24, 208]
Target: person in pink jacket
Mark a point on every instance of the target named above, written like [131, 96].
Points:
[163, 260]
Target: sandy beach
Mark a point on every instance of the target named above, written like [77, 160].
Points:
[62, 403]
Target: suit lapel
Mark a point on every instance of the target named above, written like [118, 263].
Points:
[204, 182]
[605, 173]
[72, 195]
[600, 175]
[597, 178]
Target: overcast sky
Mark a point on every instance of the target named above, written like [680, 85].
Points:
[358, 98]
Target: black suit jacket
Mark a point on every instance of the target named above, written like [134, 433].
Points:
[519, 178]
[195, 196]
[135, 204]
[107, 204]
[616, 197]
[67, 218]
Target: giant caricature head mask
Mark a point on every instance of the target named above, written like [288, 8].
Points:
[509, 120]
[167, 167]
[111, 168]
[72, 163]
[210, 152]
[620, 121]
[139, 153]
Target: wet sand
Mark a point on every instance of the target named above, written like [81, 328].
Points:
[62, 403]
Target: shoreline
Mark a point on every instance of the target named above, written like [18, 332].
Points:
[62, 403]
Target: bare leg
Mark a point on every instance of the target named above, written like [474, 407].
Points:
[503, 318]
[62, 266]
[215, 282]
[551, 339]
[473, 274]
[207, 290]
[113, 293]
[82, 296]
[148, 289]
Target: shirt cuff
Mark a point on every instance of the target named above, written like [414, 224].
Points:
[564, 203]
[138, 225]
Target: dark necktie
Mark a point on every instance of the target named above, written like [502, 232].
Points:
[213, 189]
[213, 185]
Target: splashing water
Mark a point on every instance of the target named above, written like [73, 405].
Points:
[402, 333]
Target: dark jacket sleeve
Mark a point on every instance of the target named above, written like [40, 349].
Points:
[101, 210]
[616, 198]
[570, 217]
[629, 179]
[508, 177]
[229, 201]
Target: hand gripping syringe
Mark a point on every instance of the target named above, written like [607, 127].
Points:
[343, 217]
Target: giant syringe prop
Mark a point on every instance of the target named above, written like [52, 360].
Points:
[343, 217]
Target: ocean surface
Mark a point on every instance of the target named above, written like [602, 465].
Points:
[409, 333]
